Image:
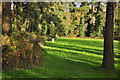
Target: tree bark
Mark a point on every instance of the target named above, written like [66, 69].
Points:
[6, 13]
[0, 18]
[108, 56]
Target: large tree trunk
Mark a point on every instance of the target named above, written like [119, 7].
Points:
[6, 13]
[108, 59]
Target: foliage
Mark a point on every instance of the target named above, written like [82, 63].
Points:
[44, 27]
[52, 28]
[98, 21]
[61, 18]
[19, 52]
[82, 27]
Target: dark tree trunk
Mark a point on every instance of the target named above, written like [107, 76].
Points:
[108, 57]
[6, 13]
[0, 18]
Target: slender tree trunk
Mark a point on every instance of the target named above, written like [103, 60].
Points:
[0, 37]
[108, 59]
[6, 13]
[1, 18]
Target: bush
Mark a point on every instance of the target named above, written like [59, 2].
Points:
[37, 38]
[20, 53]
[41, 40]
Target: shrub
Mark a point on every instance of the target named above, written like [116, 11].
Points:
[20, 53]
[41, 40]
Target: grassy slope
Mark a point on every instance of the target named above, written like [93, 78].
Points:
[70, 58]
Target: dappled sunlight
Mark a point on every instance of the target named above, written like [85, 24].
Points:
[64, 60]
[71, 53]
[80, 45]
[82, 42]
[84, 61]
[78, 51]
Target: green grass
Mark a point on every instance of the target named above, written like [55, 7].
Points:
[70, 58]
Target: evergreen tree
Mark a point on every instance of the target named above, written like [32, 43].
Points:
[90, 21]
[98, 21]
[52, 28]
[82, 26]
[74, 22]
[17, 16]
[44, 27]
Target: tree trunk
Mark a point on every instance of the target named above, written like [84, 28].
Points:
[6, 13]
[0, 18]
[108, 57]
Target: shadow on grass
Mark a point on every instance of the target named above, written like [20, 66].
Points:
[76, 48]
[55, 67]
[60, 67]
[21, 73]
[87, 42]
[74, 54]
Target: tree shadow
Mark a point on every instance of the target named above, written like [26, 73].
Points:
[20, 74]
[70, 47]
[82, 42]
[74, 54]
[50, 67]
[70, 66]
[76, 48]
[60, 67]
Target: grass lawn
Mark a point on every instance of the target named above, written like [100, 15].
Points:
[70, 58]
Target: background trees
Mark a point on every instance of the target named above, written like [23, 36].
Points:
[69, 19]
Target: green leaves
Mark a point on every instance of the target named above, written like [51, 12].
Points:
[44, 27]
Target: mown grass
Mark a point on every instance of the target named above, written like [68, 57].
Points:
[70, 58]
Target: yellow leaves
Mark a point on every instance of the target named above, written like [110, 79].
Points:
[1, 59]
[4, 58]
[20, 52]
[13, 42]
[5, 40]
[14, 47]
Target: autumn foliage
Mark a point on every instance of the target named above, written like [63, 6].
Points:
[20, 53]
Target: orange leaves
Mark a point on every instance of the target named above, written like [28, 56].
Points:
[23, 55]
[19, 52]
